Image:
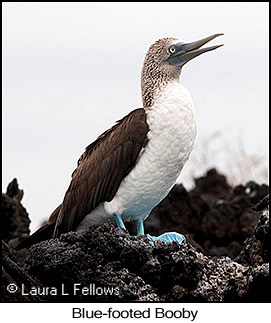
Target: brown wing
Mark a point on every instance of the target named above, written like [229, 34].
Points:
[101, 168]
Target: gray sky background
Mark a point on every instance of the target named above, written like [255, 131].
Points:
[70, 70]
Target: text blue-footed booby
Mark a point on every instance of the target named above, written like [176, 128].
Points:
[132, 166]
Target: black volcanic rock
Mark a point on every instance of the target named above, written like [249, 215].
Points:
[14, 218]
[224, 258]
[256, 247]
[216, 217]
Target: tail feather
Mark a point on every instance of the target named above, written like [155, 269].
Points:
[44, 233]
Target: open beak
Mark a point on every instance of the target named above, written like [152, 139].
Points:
[184, 52]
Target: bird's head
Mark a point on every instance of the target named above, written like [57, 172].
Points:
[166, 57]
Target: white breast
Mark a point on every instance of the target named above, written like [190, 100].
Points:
[171, 138]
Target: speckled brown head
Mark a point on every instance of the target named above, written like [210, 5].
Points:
[164, 61]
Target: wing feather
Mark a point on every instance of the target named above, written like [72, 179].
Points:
[101, 168]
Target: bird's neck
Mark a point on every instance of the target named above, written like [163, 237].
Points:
[152, 82]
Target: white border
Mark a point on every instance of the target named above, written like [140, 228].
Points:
[207, 313]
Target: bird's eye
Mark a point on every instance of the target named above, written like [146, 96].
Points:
[172, 49]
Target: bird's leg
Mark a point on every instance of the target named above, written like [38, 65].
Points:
[119, 221]
[140, 227]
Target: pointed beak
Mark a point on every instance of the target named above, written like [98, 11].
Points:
[184, 52]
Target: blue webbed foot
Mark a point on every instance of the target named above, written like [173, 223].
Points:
[167, 237]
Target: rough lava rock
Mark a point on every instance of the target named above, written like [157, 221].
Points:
[224, 258]
[216, 217]
[14, 219]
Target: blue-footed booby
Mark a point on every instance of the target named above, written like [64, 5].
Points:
[132, 166]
